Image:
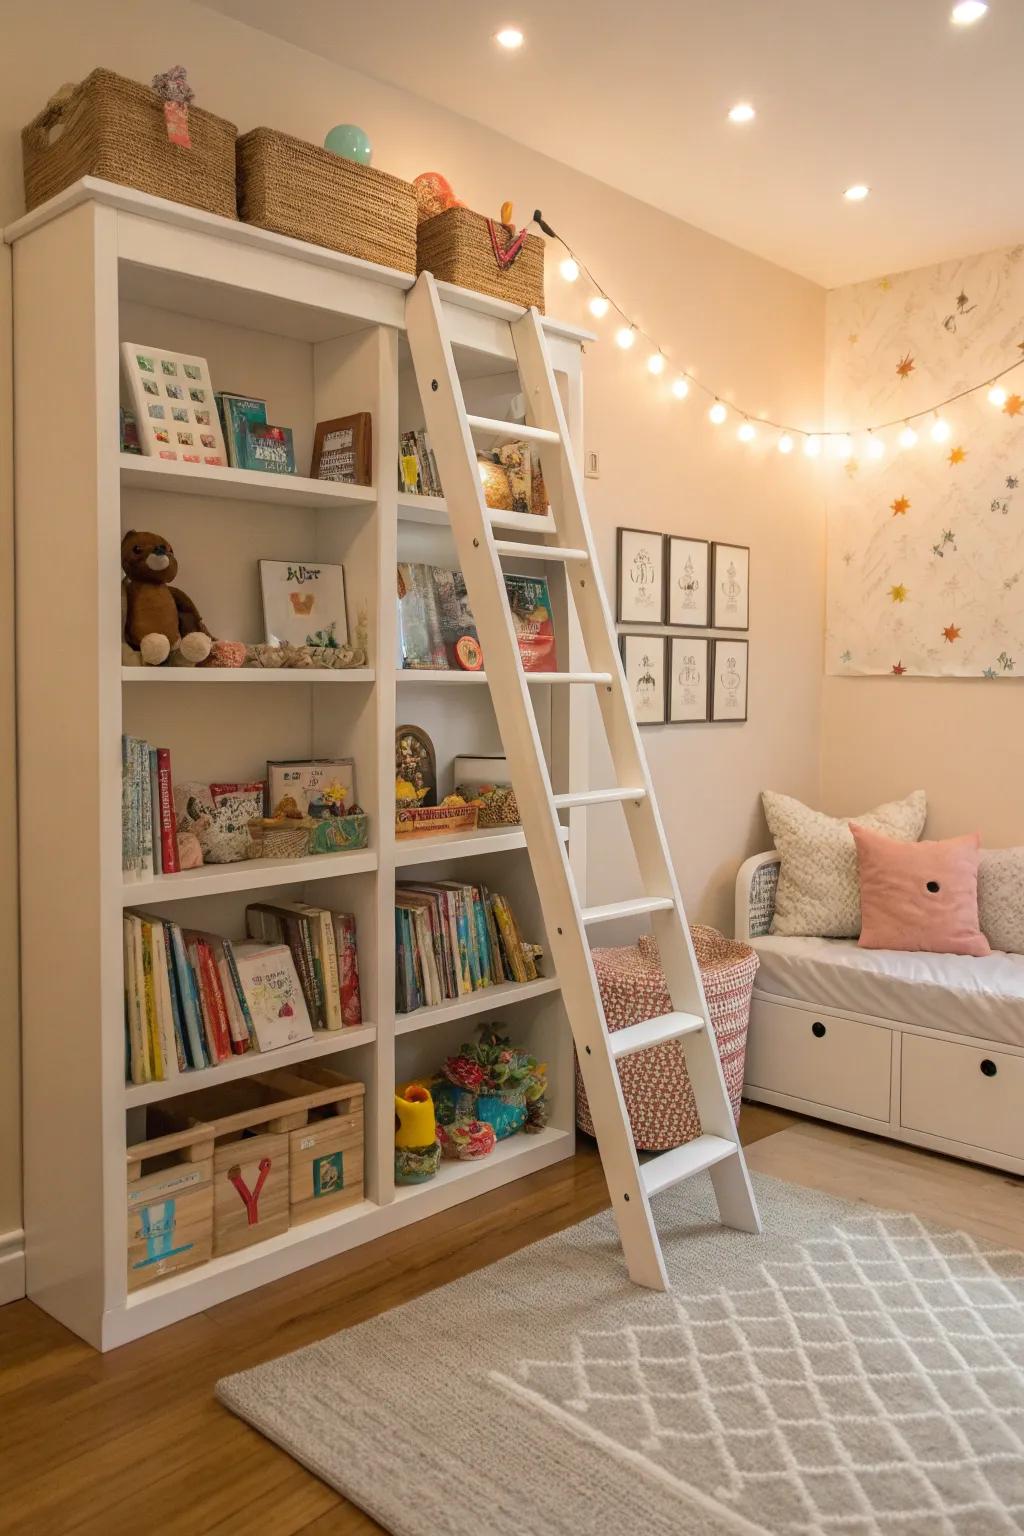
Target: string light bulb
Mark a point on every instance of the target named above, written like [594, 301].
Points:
[997, 396]
[785, 443]
[717, 413]
[812, 446]
[569, 269]
[875, 446]
[908, 437]
[599, 306]
[680, 388]
[656, 363]
[940, 429]
[625, 337]
[842, 447]
[746, 432]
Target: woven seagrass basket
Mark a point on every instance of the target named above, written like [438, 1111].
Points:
[456, 247]
[114, 128]
[296, 189]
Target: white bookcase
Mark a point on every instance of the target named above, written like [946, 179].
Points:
[318, 335]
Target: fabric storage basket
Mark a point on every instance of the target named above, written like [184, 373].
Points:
[309, 193]
[114, 128]
[655, 1082]
[456, 247]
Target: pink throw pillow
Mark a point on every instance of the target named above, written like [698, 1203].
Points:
[919, 896]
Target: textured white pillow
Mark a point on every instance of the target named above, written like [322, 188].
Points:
[819, 893]
[1001, 898]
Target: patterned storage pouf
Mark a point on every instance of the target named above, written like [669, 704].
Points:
[655, 1082]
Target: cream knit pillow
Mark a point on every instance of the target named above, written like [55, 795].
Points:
[818, 891]
[1001, 898]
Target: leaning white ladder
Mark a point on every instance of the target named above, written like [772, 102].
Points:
[451, 429]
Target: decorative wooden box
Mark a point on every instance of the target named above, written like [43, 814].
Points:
[435, 818]
[250, 1189]
[326, 1153]
[170, 1205]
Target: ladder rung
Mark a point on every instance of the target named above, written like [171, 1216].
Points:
[596, 797]
[683, 1162]
[538, 551]
[635, 908]
[568, 677]
[659, 1031]
[512, 430]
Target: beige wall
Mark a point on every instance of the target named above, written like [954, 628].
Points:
[751, 328]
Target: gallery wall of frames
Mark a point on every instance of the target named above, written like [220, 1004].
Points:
[678, 583]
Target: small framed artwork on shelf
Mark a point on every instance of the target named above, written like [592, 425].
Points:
[342, 450]
[688, 584]
[643, 660]
[730, 660]
[731, 605]
[304, 604]
[640, 577]
[173, 404]
[688, 691]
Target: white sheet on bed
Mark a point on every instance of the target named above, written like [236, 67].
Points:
[979, 997]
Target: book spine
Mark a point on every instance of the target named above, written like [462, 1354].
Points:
[199, 971]
[174, 994]
[153, 781]
[144, 811]
[239, 990]
[128, 852]
[329, 962]
[238, 1032]
[222, 1028]
[165, 806]
[348, 968]
[134, 999]
[164, 1008]
[482, 942]
[152, 1020]
[188, 991]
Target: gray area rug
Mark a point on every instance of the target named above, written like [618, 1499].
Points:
[853, 1372]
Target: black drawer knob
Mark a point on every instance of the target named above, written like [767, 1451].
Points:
[818, 1029]
[988, 1068]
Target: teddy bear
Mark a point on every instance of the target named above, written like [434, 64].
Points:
[160, 621]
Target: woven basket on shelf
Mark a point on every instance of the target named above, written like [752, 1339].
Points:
[115, 129]
[456, 246]
[309, 193]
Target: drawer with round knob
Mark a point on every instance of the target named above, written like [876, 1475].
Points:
[963, 1092]
[835, 1062]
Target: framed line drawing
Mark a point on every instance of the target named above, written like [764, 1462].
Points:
[729, 667]
[640, 577]
[688, 679]
[731, 581]
[643, 661]
[688, 581]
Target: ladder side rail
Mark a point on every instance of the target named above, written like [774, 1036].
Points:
[444, 408]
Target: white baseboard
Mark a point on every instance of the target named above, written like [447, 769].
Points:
[12, 1266]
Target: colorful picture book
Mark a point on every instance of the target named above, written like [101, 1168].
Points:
[149, 839]
[319, 786]
[343, 450]
[271, 987]
[303, 604]
[433, 615]
[265, 447]
[453, 939]
[235, 411]
[530, 602]
[172, 399]
[417, 467]
[322, 945]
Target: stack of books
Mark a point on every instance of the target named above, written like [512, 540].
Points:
[433, 615]
[417, 467]
[323, 946]
[453, 939]
[149, 839]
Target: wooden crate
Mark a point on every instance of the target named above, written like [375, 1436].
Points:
[250, 1189]
[170, 1205]
[326, 1153]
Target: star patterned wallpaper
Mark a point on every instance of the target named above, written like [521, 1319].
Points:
[926, 545]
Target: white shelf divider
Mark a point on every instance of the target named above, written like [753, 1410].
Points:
[321, 1043]
[142, 473]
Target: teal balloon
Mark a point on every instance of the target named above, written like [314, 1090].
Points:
[350, 142]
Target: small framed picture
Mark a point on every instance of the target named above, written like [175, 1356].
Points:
[729, 680]
[304, 604]
[688, 684]
[643, 660]
[731, 606]
[640, 583]
[688, 587]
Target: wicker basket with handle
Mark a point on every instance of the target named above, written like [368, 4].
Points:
[297, 189]
[114, 128]
[456, 247]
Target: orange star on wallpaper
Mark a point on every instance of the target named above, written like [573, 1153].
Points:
[901, 506]
[905, 366]
[951, 633]
[1013, 406]
[957, 455]
[898, 668]
[898, 593]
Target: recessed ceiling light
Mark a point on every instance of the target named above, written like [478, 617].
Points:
[857, 193]
[509, 37]
[967, 12]
[742, 112]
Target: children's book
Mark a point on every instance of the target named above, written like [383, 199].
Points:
[261, 446]
[348, 968]
[235, 412]
[271, 986]
[303, 604]
[530, 602]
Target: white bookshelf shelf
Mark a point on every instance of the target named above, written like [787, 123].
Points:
[246, 875]
[475, 1002]
[140, 473]
[231, 675]
[476, 1174]
[426, 678]
[433, 510]
[322, 1043]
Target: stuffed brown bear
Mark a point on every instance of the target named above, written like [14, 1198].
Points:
[160, 621]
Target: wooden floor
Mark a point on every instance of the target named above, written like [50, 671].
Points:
[134, 1442]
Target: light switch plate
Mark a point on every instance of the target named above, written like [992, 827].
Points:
[592, 464]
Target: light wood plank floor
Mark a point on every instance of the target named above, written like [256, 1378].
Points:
[133, 1443]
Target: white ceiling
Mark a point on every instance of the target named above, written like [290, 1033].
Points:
[636, 93]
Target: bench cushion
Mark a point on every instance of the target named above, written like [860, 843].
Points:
[980, 997]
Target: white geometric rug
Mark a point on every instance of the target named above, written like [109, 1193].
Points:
[852, 1373]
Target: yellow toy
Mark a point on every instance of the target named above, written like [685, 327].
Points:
[417, 1149]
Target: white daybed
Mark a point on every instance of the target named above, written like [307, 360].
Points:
[928, 1049]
